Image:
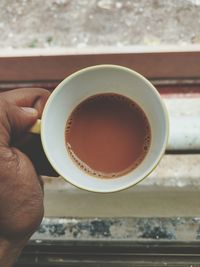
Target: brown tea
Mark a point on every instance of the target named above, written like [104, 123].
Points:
[108, 135]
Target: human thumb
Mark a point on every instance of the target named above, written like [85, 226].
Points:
[22, 118]
[14, 121]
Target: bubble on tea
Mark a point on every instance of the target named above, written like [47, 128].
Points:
[108, 135]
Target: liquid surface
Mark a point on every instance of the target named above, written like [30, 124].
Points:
[108, 135]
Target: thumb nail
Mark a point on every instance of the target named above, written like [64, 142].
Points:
[31, 111]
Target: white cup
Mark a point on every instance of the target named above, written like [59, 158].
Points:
[83, 84]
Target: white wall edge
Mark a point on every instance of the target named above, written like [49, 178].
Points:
[10, 52]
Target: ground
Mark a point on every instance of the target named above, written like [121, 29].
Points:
[85, 23]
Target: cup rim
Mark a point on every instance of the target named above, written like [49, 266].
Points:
[111, 66]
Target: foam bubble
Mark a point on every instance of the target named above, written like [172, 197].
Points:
[99, 174]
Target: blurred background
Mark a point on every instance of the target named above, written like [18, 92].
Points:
[92, 23]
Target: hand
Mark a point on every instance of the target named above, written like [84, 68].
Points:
[21, 192]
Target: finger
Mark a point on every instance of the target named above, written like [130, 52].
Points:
[22, 118]
[27, 97]
[14, 120]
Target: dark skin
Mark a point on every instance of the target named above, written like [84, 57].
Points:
[21, 190]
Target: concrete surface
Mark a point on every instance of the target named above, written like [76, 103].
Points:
[171, 190]
[92, 23]
[119, 229]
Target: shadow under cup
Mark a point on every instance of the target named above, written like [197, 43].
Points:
[97, 80]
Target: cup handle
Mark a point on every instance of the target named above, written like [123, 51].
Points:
[36, 128]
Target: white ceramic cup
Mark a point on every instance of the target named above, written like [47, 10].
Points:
[83, 84]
